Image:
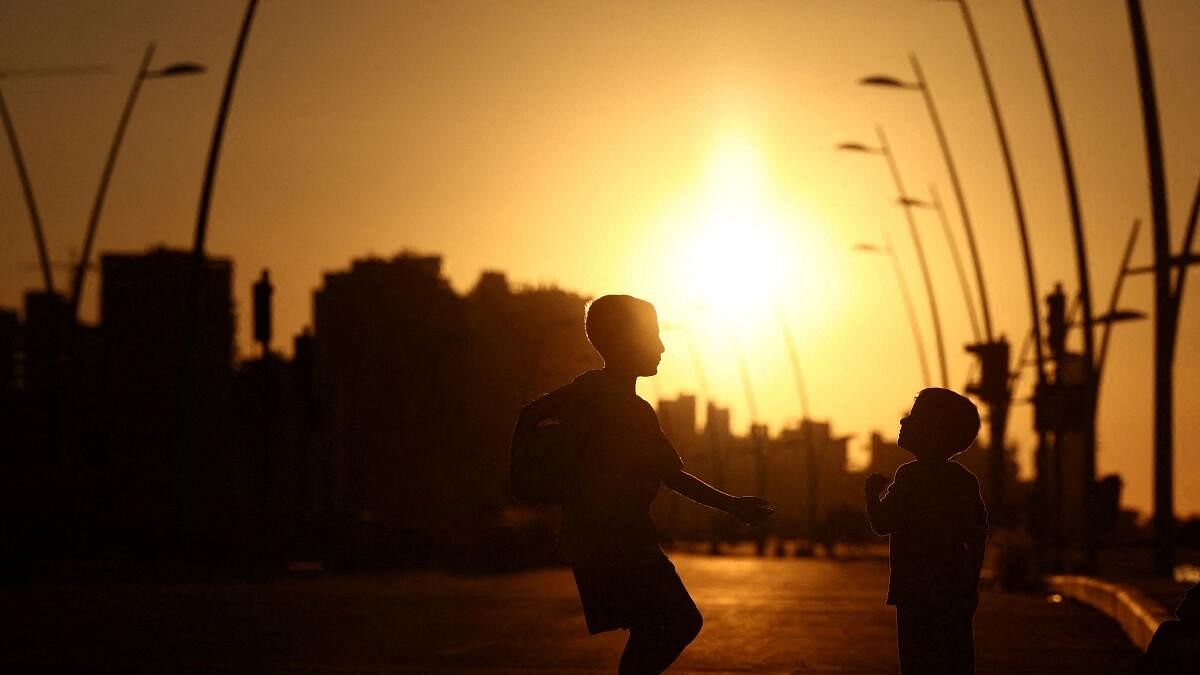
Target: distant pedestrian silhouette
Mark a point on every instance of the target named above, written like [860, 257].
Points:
[623, 577]
[1175, 647]
[938, 526]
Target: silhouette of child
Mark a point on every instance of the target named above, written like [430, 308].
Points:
[938, 526]
[623, 577]
[1175, 647]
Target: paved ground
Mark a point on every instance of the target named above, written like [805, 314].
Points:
[762, 616]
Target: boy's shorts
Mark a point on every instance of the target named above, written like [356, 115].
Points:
[646, 594]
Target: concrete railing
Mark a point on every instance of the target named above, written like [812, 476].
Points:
[1137, 614]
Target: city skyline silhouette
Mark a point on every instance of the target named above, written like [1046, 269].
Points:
[444, 337]
[378, 146]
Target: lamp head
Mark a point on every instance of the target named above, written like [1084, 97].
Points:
[886, 81]
[178, 69]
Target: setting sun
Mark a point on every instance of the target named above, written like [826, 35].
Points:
[736, 248]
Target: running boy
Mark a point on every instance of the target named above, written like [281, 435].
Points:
[938, 526]
[623, 577]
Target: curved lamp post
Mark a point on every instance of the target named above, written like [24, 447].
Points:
[19, 159]
[885, 150]
[922, 86]
[905, 295]
[144, 73]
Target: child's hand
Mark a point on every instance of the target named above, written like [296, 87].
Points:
[876, 484]
[751, 510]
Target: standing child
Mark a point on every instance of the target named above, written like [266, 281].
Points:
[624, 579]
[938, 526]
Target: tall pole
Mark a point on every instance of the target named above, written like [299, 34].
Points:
[1164, 307]
[916, 237]
[1022, 230]
[27, 190]
[214, 150]
[956, 184]
[1085, 286]
[1014, 189]
[105, 177]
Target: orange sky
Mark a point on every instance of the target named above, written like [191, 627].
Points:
[621, 147]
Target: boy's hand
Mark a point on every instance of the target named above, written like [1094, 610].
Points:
[876, 484]
[751, 510]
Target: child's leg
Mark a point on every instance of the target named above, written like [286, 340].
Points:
[935, 641]
[651, 649]
[962, 645]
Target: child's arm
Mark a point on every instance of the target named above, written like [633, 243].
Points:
[881, 503]
[749, 510]
[977, 539]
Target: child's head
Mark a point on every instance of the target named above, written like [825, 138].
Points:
[940, 425]
[624, 330]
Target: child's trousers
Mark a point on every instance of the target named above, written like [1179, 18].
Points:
[935, 640]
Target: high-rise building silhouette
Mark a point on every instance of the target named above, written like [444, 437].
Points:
[167, 330]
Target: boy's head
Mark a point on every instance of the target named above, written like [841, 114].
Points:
[624, 330]
[940, 425]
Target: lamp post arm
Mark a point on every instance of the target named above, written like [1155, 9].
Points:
[105, 177]
[1102, 356]
[1188, 236]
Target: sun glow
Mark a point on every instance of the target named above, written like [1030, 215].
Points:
[736, 253]
[733, 263]
[733, 259]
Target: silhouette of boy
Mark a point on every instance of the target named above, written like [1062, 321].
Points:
[623, 577]
[1175, 647]
[938, 526]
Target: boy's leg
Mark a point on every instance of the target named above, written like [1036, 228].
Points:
[935, 641]
[651, 649]
[921, 641]
[963, 643]
[663, 625]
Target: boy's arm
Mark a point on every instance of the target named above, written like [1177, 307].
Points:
[977, 539]
[881, 503]
[749, 510]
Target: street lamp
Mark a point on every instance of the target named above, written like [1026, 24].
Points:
[922, 86]
[885, 150]
[905, 295]
[143, 74]
[19, 159]
[1015, 191]
[935, 203]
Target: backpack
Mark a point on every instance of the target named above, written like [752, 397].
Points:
[546, 452]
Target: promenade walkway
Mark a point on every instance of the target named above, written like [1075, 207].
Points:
[777, 616]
